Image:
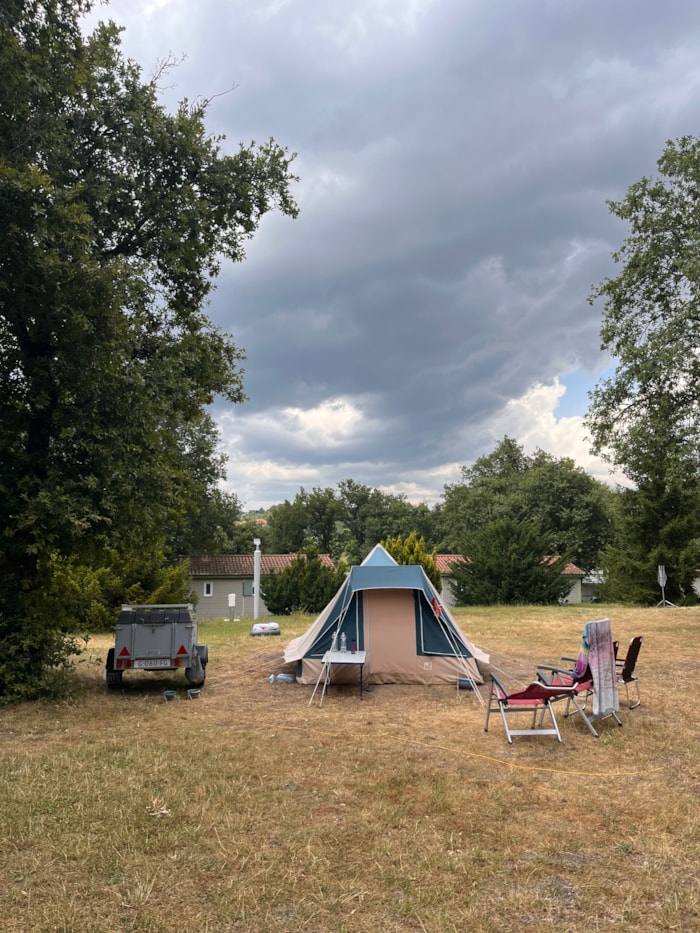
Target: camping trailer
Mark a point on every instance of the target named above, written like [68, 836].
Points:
[394, 614]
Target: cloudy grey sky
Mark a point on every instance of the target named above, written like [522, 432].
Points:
[455, 159]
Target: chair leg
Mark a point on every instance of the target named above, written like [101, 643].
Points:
[488, 714]
[505, 724]
[548, 706]
[639, 699]
[581, 710]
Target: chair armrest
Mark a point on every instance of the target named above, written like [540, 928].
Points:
[554, 668]
[499, 684]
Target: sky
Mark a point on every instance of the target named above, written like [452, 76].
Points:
[455, 161]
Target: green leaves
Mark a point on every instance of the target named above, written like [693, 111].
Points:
[412, 550]
[305, 586]
[571, 509]
[651, 316]
[114, 218]
[505, 565]
[645, 418]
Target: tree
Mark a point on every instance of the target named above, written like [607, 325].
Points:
[651, 318]
[486, 492]
[572, 510]
[306, 585]
[345, 523]
[115, 218]
[212, 525]
[412, 550]
[288, 525]
[657, 520]
[505, 566]
[644, 418]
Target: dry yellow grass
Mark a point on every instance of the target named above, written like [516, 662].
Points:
[249, 810]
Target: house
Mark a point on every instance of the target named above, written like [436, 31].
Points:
[576, 592]
[589, 586]
[224, 582]
[217, 578]
[445, 563]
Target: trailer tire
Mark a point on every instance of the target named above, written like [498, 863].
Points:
[113, 678]
[196, 673]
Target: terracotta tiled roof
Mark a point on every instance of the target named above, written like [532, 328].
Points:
[241, 565]
[444, 561]
[570, 568]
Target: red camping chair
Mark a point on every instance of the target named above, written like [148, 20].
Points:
[626, 675]
[581, 690]
[584, 681]
[536, 698]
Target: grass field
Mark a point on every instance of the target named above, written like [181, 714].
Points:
[250, 810]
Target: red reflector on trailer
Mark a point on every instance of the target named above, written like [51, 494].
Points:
[178, 662]
[124, 653]
[182, 650]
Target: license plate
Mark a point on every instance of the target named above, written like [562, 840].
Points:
[153, 663]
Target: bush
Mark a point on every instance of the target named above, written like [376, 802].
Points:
[305, 586]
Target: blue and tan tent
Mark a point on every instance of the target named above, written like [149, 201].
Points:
[394, 613]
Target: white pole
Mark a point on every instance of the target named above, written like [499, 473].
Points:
[256, 578]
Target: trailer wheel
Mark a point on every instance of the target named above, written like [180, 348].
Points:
[196, 673]
[113, 678]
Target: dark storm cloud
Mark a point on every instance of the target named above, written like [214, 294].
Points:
[455, 158]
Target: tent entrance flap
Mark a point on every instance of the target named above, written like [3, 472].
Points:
[444, 640]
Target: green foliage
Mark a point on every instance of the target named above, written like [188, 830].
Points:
[651, 319]
[504, 565]
[657, 523]
[115, 218]
[346, 522]
[572, 510]
[88, 598]
[412, 550]
[211, 524]
[645, 417]
[306, 585]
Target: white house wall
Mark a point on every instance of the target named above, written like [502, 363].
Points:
[216, 606]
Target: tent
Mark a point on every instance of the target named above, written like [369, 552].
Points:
[394, 613]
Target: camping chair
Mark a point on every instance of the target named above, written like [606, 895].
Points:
[581, 691]
[578, 677]
[593, 676]
[627, 664]
[536, 698]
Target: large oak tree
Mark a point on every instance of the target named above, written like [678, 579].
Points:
[115, 215]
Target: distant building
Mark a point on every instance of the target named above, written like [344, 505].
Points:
[224, 582]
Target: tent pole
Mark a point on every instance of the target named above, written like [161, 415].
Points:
[326, 668]
[453, 643]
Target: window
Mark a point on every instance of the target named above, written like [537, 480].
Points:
[208, 589]
[247, 587]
